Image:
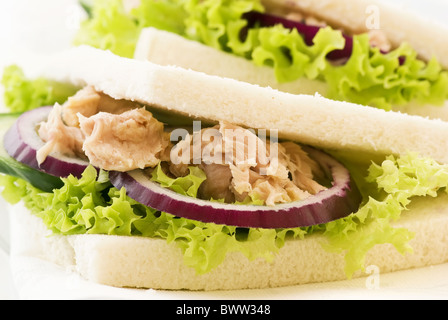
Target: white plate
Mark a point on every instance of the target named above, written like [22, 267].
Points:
[47, 281]
[7, 289]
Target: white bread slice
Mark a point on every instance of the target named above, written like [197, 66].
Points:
[307, 119]
[427, 36]
[166, 48]
[136, 262]
[169, 49]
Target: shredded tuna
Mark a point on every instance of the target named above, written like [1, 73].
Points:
[85, 102]
[302, 168]
[217, 186]
[124, 142]
[238, 164]
[89, 102]
[58, 137]
[112, 134]
[274, 191]
[378, 39]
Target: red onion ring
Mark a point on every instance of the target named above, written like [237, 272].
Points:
[342, 199]
[22, 142]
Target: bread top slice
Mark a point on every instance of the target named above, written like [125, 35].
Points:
[428, 37]
[307, 119]
[167, 48]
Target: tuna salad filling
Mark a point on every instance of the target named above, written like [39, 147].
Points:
[123, 136]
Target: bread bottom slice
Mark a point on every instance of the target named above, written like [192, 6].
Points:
[136, 262]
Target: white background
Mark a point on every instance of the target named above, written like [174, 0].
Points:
[30, 27]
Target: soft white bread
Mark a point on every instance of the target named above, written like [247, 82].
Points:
[153, 263]
[166, 48]
[307, 119]
[428, 37]
[169, 49]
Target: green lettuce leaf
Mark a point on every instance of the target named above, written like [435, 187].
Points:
[218, 23]
[398, 180]
[109, 28]
[385, 80]
[91, 205]
[166, 15]
[187, 186]
[23, 94]
[291, 57]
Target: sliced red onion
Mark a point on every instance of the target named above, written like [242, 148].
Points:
[342, 199]
[22, 143]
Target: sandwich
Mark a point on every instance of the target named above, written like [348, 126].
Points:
[365, 52]
[166, 178]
